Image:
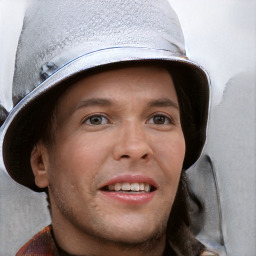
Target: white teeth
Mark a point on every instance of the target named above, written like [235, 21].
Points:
[142, 186]
[133, 187]
[117, 186]
[111, 187]
[126, 186]
[147, 187]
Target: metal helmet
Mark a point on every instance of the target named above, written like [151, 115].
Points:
[61, 39]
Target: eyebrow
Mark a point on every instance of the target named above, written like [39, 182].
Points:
[163, 102]
[93, 102]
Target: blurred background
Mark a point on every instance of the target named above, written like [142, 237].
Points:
[221, 36]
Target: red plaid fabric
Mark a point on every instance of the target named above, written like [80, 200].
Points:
[42, 244]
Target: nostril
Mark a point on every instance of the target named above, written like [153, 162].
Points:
[145, 156]
[125, 156]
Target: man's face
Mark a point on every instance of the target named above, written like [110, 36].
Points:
[115, 165]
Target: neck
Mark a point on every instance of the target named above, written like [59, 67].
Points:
[77, 242]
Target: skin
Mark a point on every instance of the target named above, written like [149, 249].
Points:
[127, 139]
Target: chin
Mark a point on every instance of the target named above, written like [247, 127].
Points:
[134, 232]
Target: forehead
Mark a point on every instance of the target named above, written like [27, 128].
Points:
[145, 82]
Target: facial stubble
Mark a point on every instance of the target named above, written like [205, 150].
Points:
[145, 244]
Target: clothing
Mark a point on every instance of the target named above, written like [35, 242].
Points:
[43, 244]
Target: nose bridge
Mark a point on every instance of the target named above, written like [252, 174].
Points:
[133, 142]
[134, 135]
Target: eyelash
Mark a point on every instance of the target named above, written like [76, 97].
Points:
[167, 118]
[107, 121]
[93, 116]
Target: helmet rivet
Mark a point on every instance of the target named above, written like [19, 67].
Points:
[47, 69]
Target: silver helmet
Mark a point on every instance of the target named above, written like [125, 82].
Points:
[61, 39]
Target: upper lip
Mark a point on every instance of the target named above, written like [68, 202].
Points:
[131, 179]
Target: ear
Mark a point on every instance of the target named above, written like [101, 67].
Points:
[39, 164]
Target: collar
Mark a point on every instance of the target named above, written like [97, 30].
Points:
[43, 244]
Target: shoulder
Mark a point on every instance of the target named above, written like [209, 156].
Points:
[42, 243]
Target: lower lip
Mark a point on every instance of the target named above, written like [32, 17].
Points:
[129, 198]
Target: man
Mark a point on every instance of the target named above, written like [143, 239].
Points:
[109, 113]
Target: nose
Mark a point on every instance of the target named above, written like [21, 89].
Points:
[132, 143]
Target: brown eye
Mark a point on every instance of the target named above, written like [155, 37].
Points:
[96, 120]
[160, 120]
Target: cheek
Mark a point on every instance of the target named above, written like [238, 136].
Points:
[169, 154]
[78, 158]
[170, 150]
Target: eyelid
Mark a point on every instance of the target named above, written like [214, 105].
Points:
[170, 118]
[95, 114]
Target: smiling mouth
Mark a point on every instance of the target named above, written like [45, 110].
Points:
[126, 187]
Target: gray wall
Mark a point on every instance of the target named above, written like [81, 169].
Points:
[220, 35]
